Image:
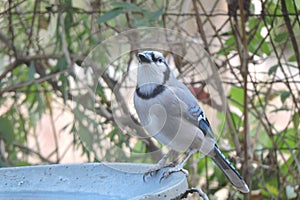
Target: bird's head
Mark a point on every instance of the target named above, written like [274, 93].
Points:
[152, 68]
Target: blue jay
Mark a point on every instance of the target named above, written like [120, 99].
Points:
[170, 113]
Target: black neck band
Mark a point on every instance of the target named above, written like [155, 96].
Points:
[157, 90]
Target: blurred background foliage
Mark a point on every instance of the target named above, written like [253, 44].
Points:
[254, 44]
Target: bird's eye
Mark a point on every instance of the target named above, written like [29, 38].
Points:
[159, 60]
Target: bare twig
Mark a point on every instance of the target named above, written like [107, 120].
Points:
[32, 151]
[7, 42]
[54, 132]
[11, 30]
[36, 6]
[233, 132]
[244, 70]
[197, 190]
[200, 25]
[15, 87]
[291, 32]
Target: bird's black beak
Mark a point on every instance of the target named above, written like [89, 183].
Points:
[144, 58]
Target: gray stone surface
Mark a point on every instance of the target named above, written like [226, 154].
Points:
[88, 181]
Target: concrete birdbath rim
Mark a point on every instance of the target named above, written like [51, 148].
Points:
[87, 181]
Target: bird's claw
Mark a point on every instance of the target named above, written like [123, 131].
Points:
[167, 173]
[153, 171]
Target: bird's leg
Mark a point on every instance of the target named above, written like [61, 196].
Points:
[180, 166]
[161, 164]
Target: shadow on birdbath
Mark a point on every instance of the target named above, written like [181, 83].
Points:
[89, 181]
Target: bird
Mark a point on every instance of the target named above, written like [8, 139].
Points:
[170, 113]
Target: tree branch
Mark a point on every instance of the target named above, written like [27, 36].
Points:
[15, 87]
[291, 32]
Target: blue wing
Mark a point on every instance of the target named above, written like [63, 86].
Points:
[196, 116]
[193, 111]
[202, 120]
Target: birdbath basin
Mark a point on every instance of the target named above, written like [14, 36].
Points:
[88, 181]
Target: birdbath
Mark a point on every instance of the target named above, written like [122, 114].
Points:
[88, 181]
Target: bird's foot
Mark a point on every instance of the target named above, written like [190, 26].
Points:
[177, 168]
[152, 171]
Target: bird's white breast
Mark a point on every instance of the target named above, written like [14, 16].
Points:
[163, 119]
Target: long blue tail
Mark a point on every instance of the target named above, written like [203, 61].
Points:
[230, 172]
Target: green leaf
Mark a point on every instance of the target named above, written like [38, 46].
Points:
[23, 163]
[109, 15]
[237, 121]
[64, 87]
[291, 5]
[31, 72]
[272, 70]
[229, 46]
[290, 192]
[100, 92]
[61, 63]
[6, 131]
[296, 120]
[69, 22]
[230, 41]
[152, 16]
[2, 83]
[139, 147]
[281, 37]
[284, 169]
[287, 139]
[237, 97]
[284, 95]
[139, 23]
[292, 58]
[265, 48]
[83, 131]
[280, 109]
[85, 136]
[272, 189]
